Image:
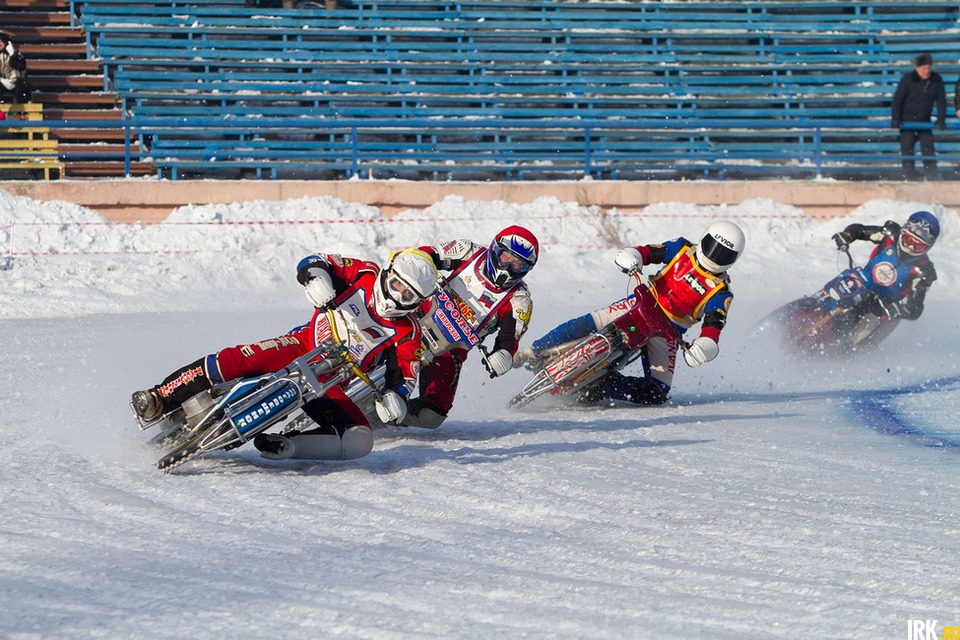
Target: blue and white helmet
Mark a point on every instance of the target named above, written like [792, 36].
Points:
[513, 252]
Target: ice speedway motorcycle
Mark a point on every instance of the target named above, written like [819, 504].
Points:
[234, 412]
[574, 366]
[834, 319]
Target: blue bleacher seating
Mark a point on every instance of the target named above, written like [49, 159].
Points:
[689, 66]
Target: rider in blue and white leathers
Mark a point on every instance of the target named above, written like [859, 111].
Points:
[899, 268]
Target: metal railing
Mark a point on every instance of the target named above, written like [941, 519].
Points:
[513, 149]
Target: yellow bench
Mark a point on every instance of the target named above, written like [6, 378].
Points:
[31, 155]
[28, 148]
[29, 111]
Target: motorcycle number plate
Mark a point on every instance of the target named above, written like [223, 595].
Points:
[849, 286]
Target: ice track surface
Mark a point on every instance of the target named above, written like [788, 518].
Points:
[767, 513]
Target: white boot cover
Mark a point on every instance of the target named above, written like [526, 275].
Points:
[357, 442]
[316, 446]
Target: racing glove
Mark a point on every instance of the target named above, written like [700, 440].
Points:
[319, 289]
[842, 239]
[498, 362]
[391, 407]
[701, 350]
[629, 260]
[889, 309]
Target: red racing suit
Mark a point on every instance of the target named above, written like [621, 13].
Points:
[686, 294]
[371, 339]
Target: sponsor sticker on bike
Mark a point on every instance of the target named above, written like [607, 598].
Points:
[451, 322]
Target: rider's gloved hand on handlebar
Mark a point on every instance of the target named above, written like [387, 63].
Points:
[319, 289]
[887, 308]
[701, 350]
[629, 260]
[842, 239]
[498, 362]
[391, 407]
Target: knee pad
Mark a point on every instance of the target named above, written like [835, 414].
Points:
[646, 391]
[356, 442]
[425, 418]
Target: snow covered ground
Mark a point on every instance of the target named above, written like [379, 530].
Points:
[773, 497]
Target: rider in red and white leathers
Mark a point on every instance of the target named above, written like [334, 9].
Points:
[372, 315]
[484, 295]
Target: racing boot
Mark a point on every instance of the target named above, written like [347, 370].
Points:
[146, 405]
[527, 358]
[325, 443]
[616, 386]
[274, 446]
[596, 393]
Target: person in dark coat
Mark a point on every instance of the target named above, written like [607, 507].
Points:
[916, 95]
[14, 86]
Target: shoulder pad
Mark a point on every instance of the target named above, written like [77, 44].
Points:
[521, 296]
[311, 260]
[455, 249]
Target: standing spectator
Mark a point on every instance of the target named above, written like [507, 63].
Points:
[917, 93]
[13, 73]
[956, 98]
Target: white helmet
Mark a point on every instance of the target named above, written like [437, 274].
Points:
[408, 280]
[721, 245]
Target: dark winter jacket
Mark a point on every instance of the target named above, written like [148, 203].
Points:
[915, 99]
[13, 74]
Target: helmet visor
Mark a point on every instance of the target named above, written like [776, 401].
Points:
[911, 243]
[717, 253]
[514, 264]
[401, 292]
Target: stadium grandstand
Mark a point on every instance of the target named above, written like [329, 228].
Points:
[500, 90]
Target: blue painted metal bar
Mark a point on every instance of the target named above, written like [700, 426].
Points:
[359, 146]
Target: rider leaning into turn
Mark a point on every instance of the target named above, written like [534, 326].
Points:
[486, 286]
[692, 287]
[898, 264]
[371, 312]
